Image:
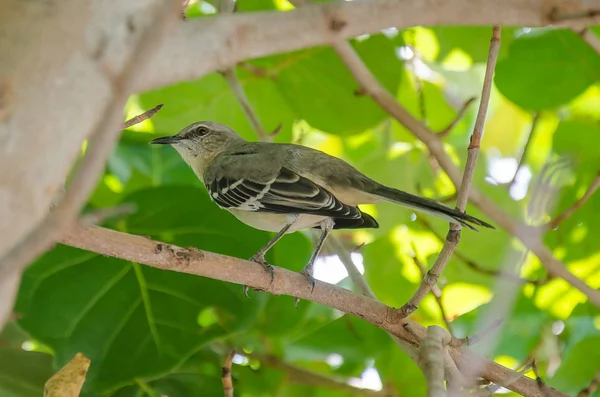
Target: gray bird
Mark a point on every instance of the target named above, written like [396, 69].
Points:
[286, 187]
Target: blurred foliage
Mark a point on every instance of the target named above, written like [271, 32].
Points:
[152, 333]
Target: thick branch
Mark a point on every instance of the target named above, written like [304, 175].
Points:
[101, 141]
[228, 39]
[220, 267]
[100, 145]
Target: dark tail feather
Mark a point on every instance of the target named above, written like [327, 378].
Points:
[428, 206]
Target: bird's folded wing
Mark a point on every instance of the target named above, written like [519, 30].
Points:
[287, 193]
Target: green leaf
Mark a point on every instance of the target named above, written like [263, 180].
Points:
[575, 372]
[473, 40]
[23, 374]
[546, 68]
[321, 90]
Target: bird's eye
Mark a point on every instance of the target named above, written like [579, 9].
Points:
[202, 130]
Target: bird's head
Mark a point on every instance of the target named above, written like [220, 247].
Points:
[199, 143]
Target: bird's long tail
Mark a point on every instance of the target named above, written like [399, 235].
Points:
[428, 206]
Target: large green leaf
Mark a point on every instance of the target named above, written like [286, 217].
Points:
[321, 90]
[23, 374]
[546, 68]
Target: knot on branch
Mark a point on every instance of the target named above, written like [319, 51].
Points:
[453, 236]
[336, 25]
[182, 257]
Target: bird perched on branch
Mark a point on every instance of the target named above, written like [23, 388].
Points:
[285, 187]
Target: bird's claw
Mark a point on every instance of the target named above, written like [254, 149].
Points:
[261, 259]
[246, 291]
[310, 278]
[308, 274]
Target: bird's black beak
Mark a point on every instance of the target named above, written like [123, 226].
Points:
[165, 140]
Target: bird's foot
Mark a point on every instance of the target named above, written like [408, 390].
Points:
[308, 273]
[261, 259]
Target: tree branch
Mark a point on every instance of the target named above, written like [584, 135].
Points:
[100, 145]
[226, 374]
[591, 388]
[229, 39]
[444, 133]
[220, 267]
[453, 236]
[525, 151]
[578, 204]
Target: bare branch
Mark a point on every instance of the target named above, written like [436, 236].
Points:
[100, 145]
[226, 374]
[357, 278]
[227, 7]
[435, 290]
[578, 204]
[538, 378]
[525, 151]
[141, 117]
[99, 216]
[453, 236]
[220, 267]
[444, 133]
[471, 340]
[591, 388]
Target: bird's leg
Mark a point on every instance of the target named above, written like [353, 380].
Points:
[259, 257]
[326, 228]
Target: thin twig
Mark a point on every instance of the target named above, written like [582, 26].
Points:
[357, 278]
[471, 340]
[538, 379]
[100, 144]
[226, 374]
[435, 290]
[230, 75]
[444, 133]
[578, 204]
[591, 388]
[98, 216]
[141, 117]
[525, 151]
[238, 91]
[453, 236]
[591, 39]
